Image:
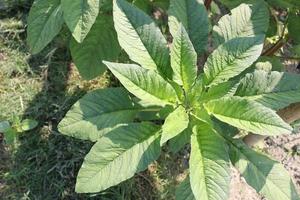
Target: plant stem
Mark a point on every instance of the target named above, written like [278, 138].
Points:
[280, 43]
[207, 3]
[274, 48]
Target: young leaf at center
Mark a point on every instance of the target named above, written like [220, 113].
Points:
[183, 60]
[174, 124]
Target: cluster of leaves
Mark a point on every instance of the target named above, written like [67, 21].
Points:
[174, 103]
[284, 22]
[11, 130]
[90, 23]
[94, 38]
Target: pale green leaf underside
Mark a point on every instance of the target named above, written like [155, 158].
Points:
[275, 90]
[209, 164]
[247, 20]
[140, 37]
[117, 156]
[175, 123]
[248, 115]
[193, 15]
[80, 16]
[143, 83]
[44, 23]
[97, 113]
[183, 60]
[266, 176]
[184, 191]
[100, 44]
[232, 58]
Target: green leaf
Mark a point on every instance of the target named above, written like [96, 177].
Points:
[231, 58]
[184, 191]
[248, 115]
[80, 16]
[179, 141]
[174, 124]
[97, 113]
[244, 21]
[143, 83]
[216, 91]
[4, 126]
[183, 60]
[284, 3]
[209, 164]
[266, 176]
[193, 16]
[100, 44]
[44, 23]
[275, 90]
[28, 124]
[10, 136]
[294, 27]
[140, 37]
[117, 156]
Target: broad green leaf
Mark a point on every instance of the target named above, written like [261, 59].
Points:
[184, 191]
[44, 23]
[97, 113]
[117, 156]
[248, 115]
[284, 3]
[80, 15]
[10, 136]
[231, 58]
[140, 37]
[183, 60]
[4, 126]
[100, 44]
[143, 83]
[275, 90]
[193, 16]
[174, 124]
[209, 164]
[244, 21]
[294, 27]
[179, 141]
[164, 4]
[266, 176]
[216, 91]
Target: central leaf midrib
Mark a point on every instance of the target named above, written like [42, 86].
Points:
[203, 170]
[270, 93]
[155, 135]
[231, 63]
[153, 95]
[244, 120]
[100, 115]
[52, 10]
[135, 30]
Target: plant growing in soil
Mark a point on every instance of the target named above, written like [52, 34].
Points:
[172, 102]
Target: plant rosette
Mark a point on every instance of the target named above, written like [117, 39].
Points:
[166, 100]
